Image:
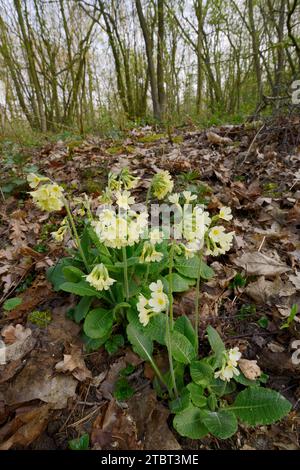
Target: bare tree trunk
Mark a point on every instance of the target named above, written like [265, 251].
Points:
[149, 53]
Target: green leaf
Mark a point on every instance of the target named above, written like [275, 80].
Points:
[114, 343]
[123, 390]
[180, 284]
[130, 262]
[291, 317]
[190, 268]
[182, 349]
[11, 303]
[156, 328]
[197, 397]
[82, 443]
[142, 345]
[72, 274]
[216, 344]
[184, 326]
[257, 405]
[82, 288]
[82, 308]
[98, 323]
[180, 403]
[241, 379]
[220, 388]
[221, 424]
[55, 274]
[102, 250]
[189, 423]
[93, 344]
[201, 372]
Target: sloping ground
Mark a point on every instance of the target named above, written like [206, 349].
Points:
[51, 391]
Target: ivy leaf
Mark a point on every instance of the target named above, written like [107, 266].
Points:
[182, 349]
[189, 423]
[98, 323]
[221, 424]
[257, 405]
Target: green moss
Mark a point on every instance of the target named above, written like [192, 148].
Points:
[148, 139]
[118, 150]
[40, 318]
[177, 139]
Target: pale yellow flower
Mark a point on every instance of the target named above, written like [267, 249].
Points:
[48, 197]
[58, 236]
[123, 199]
[157, 287]
[188, 197]
[227, 373]
[150, 254]
[143, 311]
[34, 180]
[162, 184]
[174, 198]
[225, 213]
[158, 302]
[99, 278]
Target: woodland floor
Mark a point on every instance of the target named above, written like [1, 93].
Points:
[253, 173]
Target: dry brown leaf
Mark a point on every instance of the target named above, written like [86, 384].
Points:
[26, 428]
[216, 139]
[115, 430]
[151, 421]
[36, 381]
[34, 296]
[19, 341]
[257, 263]
[250, 369]
[74, 363]
[295, 279]
[11, 333]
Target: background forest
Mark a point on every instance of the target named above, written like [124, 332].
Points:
[95, 65]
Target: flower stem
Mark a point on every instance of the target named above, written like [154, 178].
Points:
[75, 234]
[170, 320]
[147, 273]
[197, 301]
[148, 195]
[125, 272]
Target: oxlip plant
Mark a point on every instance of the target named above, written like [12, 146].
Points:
[126, 273]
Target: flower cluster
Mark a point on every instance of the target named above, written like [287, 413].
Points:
[218, 241]
[118, 230]
[149, 253]
[229, 367]
[157, 303]
[48, 197]
[99, 278]
[162, 184]
[59, 234]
